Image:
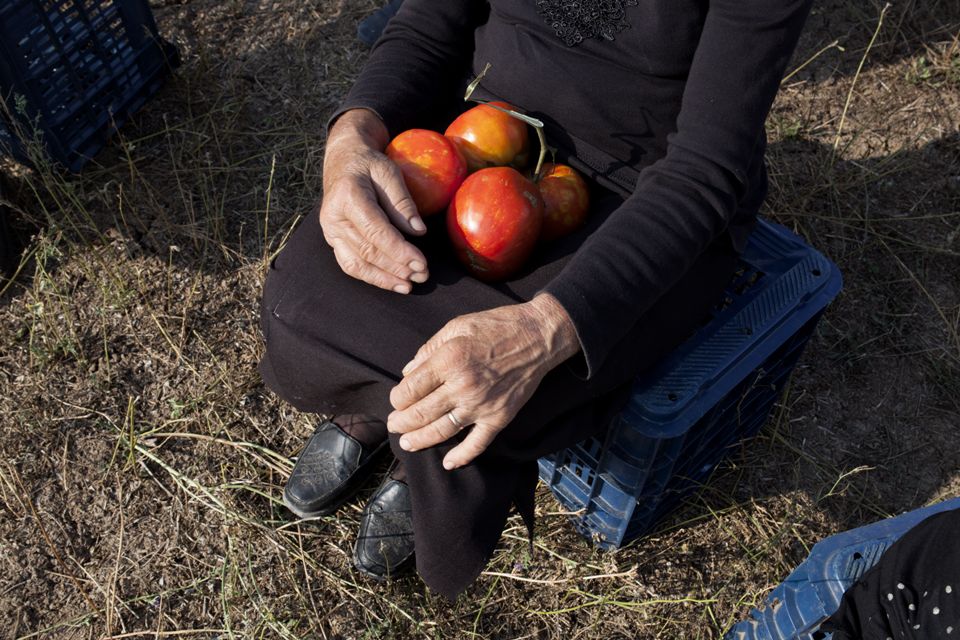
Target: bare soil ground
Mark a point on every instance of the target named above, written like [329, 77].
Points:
[142, 460]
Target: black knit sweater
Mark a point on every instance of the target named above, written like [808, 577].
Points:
[663, 101]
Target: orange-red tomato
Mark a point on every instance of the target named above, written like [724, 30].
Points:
[488, 137]
[566, 200]
[494, 221]
[431, 165]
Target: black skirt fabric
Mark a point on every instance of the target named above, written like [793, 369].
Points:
[336, 345]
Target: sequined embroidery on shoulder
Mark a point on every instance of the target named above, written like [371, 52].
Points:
[576, 20]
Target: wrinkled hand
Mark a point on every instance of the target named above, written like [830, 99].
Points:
[366, 205]
[482, 367]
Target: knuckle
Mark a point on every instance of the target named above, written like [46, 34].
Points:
[438, 431]
[469, 380]
[380, 234]
[405, 204]
[349, 264]
[356, 166]
[448, 358]
[417, 414]
[455, 345]
[381, 167]
[376, 277]
[367, 251]
[349, 191]
[455, 326]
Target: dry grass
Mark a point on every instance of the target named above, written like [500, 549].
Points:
[141, 459]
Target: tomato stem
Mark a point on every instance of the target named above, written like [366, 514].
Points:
[476, 81]
[543, 153]
[533, 122]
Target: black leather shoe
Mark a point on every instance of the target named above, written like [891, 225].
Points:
[329, 471]
[384, 545]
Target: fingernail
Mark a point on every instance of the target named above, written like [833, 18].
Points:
[417, 224]
[402, 288]
[404, 444]
[416, 265]
[408, 368]
[448, 465]
[419, 277]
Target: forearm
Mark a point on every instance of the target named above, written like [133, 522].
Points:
[686, 200]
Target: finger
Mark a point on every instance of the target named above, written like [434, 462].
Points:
[416, 386]
[344, 229]
[372, 254]
[435, 405]
[356, 267]
[429, 347]
[476, 442]
[438, 431]
[394, 197]
[369, 220]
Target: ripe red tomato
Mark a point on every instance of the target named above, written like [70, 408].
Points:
[431, 165]
[494, 221]
[490, 138]
[566, 200]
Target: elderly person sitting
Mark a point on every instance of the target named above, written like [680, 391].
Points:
[368, 316]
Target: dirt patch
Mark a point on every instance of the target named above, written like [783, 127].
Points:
[141, 459]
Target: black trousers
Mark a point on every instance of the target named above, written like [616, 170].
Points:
[337, 345]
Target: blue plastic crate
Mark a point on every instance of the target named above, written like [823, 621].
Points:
[72, 71]
[812, 592]
[714, 390]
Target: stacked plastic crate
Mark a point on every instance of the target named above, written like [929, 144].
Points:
[796, 609]
[72, 71]
[714, 390]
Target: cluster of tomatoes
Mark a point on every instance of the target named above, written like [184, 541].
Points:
[495, 214]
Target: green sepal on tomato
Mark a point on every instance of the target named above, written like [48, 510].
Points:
[432, 167]
[494, 222]
[489, 137]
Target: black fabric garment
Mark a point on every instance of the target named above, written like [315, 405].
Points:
[668, 115]
[913, 592]
[337, 345]
[680, 96]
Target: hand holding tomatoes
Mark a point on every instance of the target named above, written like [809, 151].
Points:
[366, 206]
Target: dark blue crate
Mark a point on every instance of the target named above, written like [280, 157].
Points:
[711, 392]
[812, 592]
[72, 71]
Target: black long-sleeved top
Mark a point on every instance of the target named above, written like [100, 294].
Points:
[666, 100]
